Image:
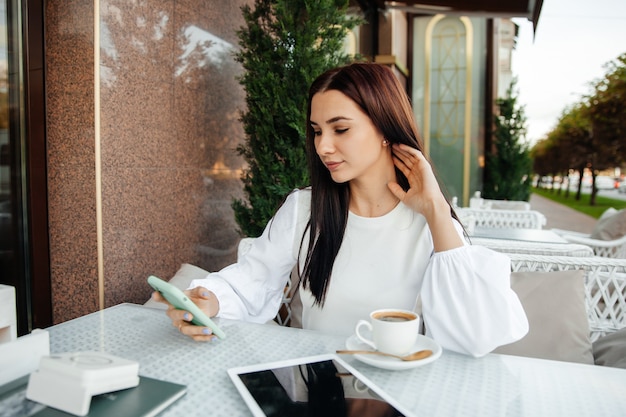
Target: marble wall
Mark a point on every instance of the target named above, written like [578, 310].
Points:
[142, 167]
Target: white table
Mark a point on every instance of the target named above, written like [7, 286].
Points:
[528, 235]
[453, 385]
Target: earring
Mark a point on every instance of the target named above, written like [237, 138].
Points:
[385, 142]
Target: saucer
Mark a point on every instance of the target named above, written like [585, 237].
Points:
[385, 362]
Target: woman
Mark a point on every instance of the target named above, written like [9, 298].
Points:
[385, 235]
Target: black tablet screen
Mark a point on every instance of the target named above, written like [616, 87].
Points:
[314, 389]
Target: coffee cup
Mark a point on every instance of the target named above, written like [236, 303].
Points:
[392, 330]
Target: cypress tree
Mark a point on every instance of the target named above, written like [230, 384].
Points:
[508, 169]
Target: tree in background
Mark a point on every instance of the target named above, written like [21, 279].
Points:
[508, 167]
[607, 114]
[285, 45]
[607, 110]
[589, 135]
[572, 138]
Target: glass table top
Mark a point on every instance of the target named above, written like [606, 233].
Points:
[453, 385]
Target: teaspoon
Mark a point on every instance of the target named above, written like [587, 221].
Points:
[420, 354]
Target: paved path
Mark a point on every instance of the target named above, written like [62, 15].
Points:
[560, 216]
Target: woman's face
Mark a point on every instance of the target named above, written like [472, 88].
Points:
[346, 140]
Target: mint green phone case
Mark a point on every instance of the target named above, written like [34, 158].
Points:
[179, 300]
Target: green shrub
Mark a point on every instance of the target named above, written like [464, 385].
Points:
[285, 45]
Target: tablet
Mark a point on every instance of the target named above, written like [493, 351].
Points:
[178, 299]
[322, 385]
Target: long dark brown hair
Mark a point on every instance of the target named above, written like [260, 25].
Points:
[379, 94]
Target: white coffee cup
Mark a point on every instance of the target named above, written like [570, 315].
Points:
[393, 330]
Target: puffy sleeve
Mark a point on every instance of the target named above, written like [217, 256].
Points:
[252, 288]
[468, 305]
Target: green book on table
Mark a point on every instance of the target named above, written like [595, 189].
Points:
[147, 399]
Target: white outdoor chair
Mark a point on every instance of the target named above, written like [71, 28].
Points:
[522, 219]
[533, 248]
[606, 248]
[8, 314]
[605, 286]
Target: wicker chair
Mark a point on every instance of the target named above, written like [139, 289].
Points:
[525, 219]
[506, 204]
[534, 248]
[605, 286]
[605, 248]
[478, 202]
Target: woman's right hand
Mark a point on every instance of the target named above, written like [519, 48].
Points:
[181, 319]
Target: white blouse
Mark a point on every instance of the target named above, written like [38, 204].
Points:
[463, 295]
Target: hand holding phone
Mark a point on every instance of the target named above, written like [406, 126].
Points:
[179, 300]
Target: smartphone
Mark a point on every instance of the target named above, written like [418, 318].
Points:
[178, 299]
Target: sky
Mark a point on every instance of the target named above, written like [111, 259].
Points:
[573, 42]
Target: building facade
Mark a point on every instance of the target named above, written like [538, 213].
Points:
[118, 150]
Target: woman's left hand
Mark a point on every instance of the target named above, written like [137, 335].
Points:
[424, 194]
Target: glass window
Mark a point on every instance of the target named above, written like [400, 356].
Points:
[7, 249]
[14, 253]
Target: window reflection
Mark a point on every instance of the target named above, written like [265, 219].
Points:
[5, 154]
